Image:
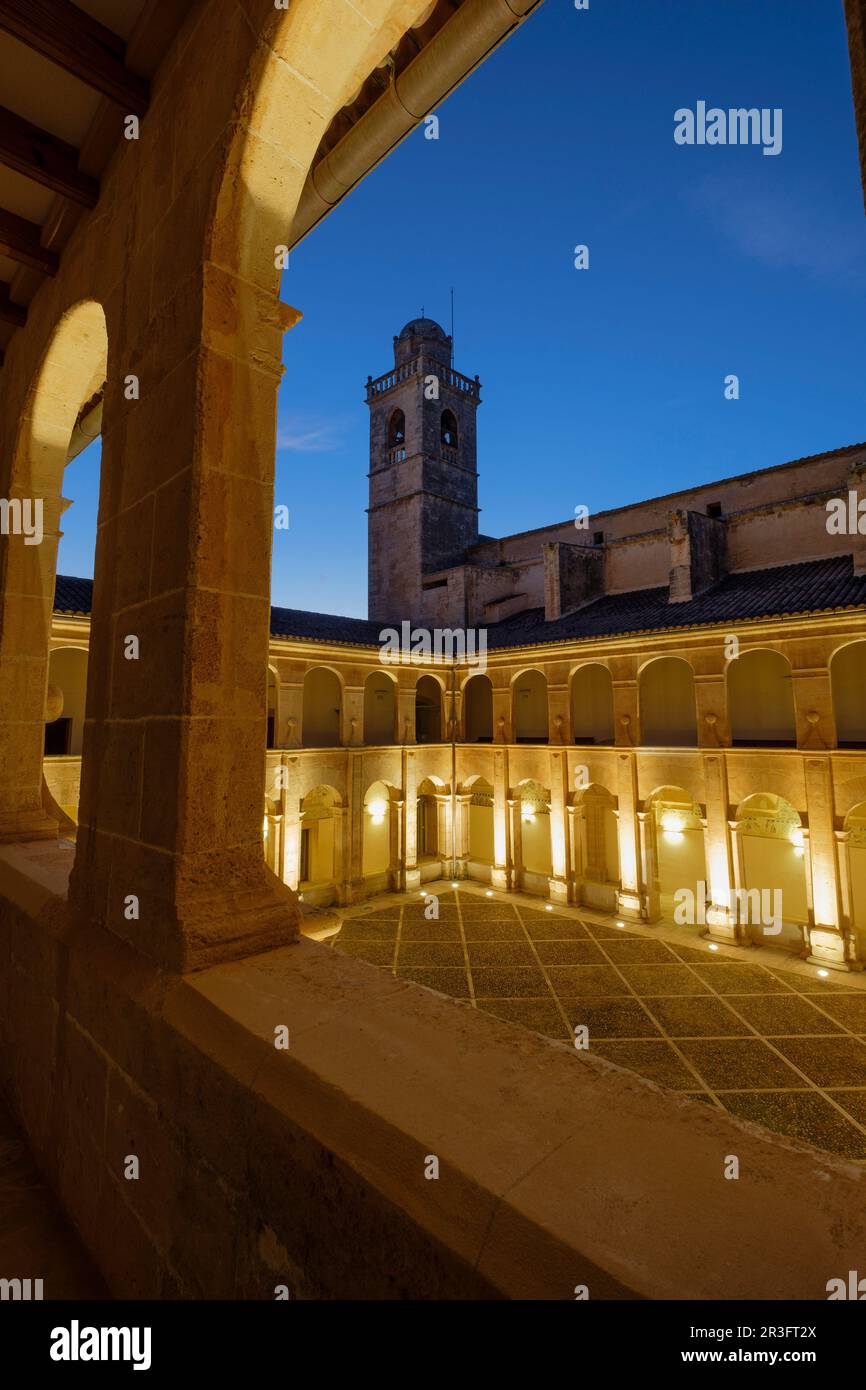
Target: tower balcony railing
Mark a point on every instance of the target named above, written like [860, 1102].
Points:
[429, 366]
[397, 454]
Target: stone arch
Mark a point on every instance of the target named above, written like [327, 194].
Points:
[595, 846]
[72, 370]
[318, 844]
[378, 832]
[428, 833]
[380, 708]
[477, 795]
[772, 899]
[530, 718]
[429, 693]
[676, 855]
[66, 700]
[532, 835]
[478, 709]
[592, 704]
[273, 735]
[448, 429]
[848, 681]
[322, 716]
[761, 699]
[666, 703]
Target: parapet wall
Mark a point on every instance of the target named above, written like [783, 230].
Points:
[305, 1167]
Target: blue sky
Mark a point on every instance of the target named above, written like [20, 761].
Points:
[600, 386]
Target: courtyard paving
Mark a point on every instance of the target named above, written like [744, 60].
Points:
[778, 1046]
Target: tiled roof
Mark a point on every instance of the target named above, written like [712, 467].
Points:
[813, 586]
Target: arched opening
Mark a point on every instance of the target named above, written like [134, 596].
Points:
[273, 701]
[480, 830]
[429, 842]
[666, 700]
[761, 700]
[592, 704]
[317, 846]
[854, 846]
[448, 433]
[535, 862]
[428, 711]
[848, 680]
[595, 851]
[529, 708]
[71, 375]
[65, 702]
[380, 708]
[323, 708]
[396, 429]
[772, 901]
[680, 859]
[478, 710]
[376, 854]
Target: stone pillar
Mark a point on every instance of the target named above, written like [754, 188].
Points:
[626, 727]
[291, 714]
[559, 840]
[848, 925]
[826, 939]
[444, 837]
[649, 860]
[406, 712]
[515, 826]
[559, 716]
[502, 732]
[353, 851]
[461, 844]
[710, 707]
[813, 709]
[341, 887]
[577, 849]
[172, 784]
[500, 874]
[721, 925]
[291, 812]
[411, 872]
[352, 733]
[628, 902]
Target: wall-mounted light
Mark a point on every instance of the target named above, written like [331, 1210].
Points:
[265, 828]
[672, 827]
[796, 837]
[377, 810]
[527, 815]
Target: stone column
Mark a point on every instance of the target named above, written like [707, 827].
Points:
[353, 851]
[461, 846]
[291, 713]
[444, 837]
[559, 844]
[710, 708]
[559, 716]
[340, 885]
[720, 924]
[826, 939]
[397, 864]
[577, 843]
[515, 826]
[352, 733]
[411, 872]
[628, 903]
[625, 714]
[406, 712]
[813, 709]
[649, 859]
[500, 874]
[502, 715]
[291, 812]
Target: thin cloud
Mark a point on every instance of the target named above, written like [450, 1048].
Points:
[299, 436]
[784, 228]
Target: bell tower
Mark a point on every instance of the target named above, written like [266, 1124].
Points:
[423, 512]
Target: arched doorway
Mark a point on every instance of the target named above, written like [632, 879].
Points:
[428, 710]
[595, 848]
[531, 837]
[377, 863]
[477, 797]
[323, 709]
[478, 710]
[529, 709]
[431, 845]
[380, 709]
[772, 901]
[317, 846]
[592, 704]
[666, 701]
[848, 678]
[677, 867]
[761, 700]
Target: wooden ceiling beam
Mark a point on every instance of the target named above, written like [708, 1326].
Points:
[64, 34]
[20, 241]
[15, 314]
[45, 159]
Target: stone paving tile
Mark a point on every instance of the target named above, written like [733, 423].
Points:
[827, 1061]
[739, 1064]
[572, 981]
[445, 980]
[638, 952]
[569, 953]
[491, 953]
[780, 1015]
[430, 953]
[376, 952]
[541, 1015]
[430, 931]
[653, 1059]
[556, 929]
[517, 982]
[804, 1115]
[732, 978]
[662, 979]
[810, 984]
[493, 930]
[610, 1018]
[849, 1009]
[478, 912]
[701, 1017]
[612, 933]
[691, 954]
[852, 1101]
[367, 929]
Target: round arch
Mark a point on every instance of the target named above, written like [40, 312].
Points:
[592, 704]
[322, 716]
[429, 693]
[380, 708]
[761, 699]
[678, 855]
[772, 904]
[848, 682]
[666, 703]
[478, 709]
[529, 707]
